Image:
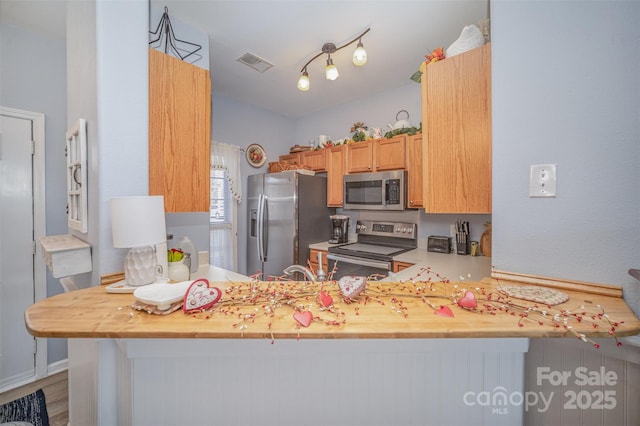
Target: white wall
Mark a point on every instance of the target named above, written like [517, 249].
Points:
[566, 90]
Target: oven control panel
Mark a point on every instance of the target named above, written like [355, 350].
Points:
[387, 229]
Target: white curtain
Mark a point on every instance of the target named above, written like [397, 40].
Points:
[223, 238]
[227, 157]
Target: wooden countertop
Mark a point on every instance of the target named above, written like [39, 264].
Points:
[383, 310]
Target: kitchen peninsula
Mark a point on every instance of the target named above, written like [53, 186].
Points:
[392, 355]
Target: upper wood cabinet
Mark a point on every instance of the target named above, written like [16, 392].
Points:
[315, 160]
[179, 133]
[376, 155]
[456, 122]
[336, 167]
[414, 171]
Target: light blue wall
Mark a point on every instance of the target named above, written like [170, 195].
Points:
[566, 90]
[33, 78]
[240, 124]
[108, 85]
[377, 110]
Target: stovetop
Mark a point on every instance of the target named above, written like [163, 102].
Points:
[380, 240]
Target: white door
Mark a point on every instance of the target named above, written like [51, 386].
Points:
[21, 194]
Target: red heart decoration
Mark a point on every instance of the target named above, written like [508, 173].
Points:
[303, 318]
[352, 286]
[469, 300]
[200, 296]
[444, 311]
[325, 299]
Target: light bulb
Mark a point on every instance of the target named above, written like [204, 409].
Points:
[359, 55]
[331, 71]
[303, 82]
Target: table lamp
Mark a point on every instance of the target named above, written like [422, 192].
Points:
[138, 223]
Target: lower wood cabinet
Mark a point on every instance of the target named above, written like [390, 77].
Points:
[313, 260]
[399, 266]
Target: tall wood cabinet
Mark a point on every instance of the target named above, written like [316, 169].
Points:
[336, 169]
[456, 122]
[415, 183]
[179, 133]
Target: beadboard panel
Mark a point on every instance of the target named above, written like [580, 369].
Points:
[324, 382]
[575, 401]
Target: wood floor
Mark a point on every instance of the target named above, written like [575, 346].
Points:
[56, 393]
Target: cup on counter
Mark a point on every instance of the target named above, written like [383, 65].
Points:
[475, 248]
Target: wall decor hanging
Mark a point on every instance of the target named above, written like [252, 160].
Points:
[76, 153]
[256, 156]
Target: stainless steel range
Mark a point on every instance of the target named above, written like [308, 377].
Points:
[373, 252]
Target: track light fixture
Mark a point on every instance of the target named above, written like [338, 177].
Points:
[331, 71]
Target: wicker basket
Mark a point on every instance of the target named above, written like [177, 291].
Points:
[283, 166]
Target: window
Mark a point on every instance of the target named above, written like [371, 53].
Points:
[220, 210]
[222, 229]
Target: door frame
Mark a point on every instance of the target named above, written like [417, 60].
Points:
[39, 220]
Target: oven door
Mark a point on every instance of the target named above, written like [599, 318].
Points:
[357, 266]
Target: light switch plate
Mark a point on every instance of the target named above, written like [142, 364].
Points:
[543, 180]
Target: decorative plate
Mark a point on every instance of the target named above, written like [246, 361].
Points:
[256, 155]
[537, 294]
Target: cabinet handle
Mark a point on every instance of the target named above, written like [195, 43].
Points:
[410, 201]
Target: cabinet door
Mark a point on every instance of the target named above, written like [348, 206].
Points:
[456, 118]
[399, 266]
[336, 164]
[315, 160]
[313, 260]
[179, 133]
[360, 157]
[389, 153]
[414, 170]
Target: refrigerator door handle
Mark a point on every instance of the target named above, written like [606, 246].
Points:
[259, 226]
[262, 229]
[265, 228]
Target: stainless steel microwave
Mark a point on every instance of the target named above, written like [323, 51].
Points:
[375, 191]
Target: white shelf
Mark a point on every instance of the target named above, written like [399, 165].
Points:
[66, 255]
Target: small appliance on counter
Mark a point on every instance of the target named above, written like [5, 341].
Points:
[339, 229]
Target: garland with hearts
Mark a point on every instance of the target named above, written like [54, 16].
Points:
[312, 302]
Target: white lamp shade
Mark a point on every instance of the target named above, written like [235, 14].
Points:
[138, 221]
[359, 56]
[331, 72]
[303, 82]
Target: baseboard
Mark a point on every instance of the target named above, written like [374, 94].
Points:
[58, 366]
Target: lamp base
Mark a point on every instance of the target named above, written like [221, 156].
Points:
[140, 266]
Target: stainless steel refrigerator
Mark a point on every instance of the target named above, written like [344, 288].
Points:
[287, 212]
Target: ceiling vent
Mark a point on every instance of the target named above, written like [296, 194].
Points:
[251, 60]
